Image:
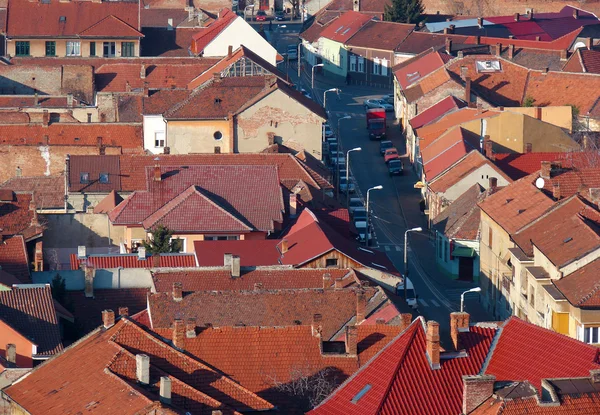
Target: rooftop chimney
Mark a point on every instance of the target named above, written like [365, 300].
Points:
[530, 14]
[179, 333]
[70, 100]
[326, 281]
[589, 43]
[157, 173]
[517, 16]
[433, 343]
[361, 306]
[190, 328]
[546, 169]
[293, 205]
[468, 90]
[177, 291]
[142, 253]
[463, 72]
[317, 326]
[493, 183]
[227, 259]
[142, 368]
[476, 389]
[81, 252]
[448, 46]
[459, 322]
[405, 320]
[488, 147]
[235, 266]
[352, 340]
[498, 49]
[88, 276]
[538, 113]
[123, 311]
[339, 283]
[229, 51]
[11, 353]
[564, 55]
[556, 191]
[537, 38]
[511, 51]
[480, 22]
[283, 246]
[165, 389]
[45, 118]
[143, 71]
[108, 318]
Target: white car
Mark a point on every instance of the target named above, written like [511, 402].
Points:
[345, 187]
[389, 98]
[411, 296]
[378, 103]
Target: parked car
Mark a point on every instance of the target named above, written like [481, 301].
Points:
[337, 157]
[378, 103]
[391, 154]
[330, 140]
[305, 93]
[333, 147]
[364, 233]
[389, 98]
[346, 186]
[395, 167]
[384, 145]
[280, 16]
[353, 204]
[328, 131]
[292, 52]
[360, 213]
[261, 16]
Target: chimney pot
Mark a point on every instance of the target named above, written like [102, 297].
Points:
[511, 51]
[476, 389]
[123, 311]
[433, 343]
[235, 266]
[459, 322]
[546, 170]
[179, 334]
[493, 182]
[448, 46]
[361, 306]
[326, 281]
[352, 340]
[11, 353]
[89, 273]
[283, 246]
[142, 368]
[177, 291]
[190, 328]
[339, 283]
[157, 173]
[317, 327]
[556, 191]
[165, 390]
[108, 318]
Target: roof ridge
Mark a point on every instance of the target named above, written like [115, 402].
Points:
[183, 196]
[103, 19]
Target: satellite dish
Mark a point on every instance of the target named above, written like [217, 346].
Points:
[539, 183]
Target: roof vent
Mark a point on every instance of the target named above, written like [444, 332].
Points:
[217, 101]
[569, 239]
[62, 19]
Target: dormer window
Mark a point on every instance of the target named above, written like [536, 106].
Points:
[84, 178]
[62, 19]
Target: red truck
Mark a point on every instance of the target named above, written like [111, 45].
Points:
[376, 123]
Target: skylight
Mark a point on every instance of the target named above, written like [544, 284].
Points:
[339, 28]
[361, 393]
[488, 66]
[346, 31]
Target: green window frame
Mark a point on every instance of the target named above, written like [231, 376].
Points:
[22, 48]
[127, 49]
[92, 48]
[50, 48]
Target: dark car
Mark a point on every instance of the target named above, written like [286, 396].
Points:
[384, 145]
[280, 16]
[261, 16]
[395, 167]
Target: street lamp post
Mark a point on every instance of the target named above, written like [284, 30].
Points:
[325, 95]
[462, 297]
[367, 230]
[299, 49]
[337, 167]
[347, 175]
[417, 229]
[312, 82]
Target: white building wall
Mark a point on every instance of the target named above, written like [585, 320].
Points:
[152, 125]
[481, 175]
[241, 33]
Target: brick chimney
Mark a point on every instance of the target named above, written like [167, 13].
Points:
[556, 191]
[108, 318]
[293, 205]
[283, 246]
[317, 325]
[517, 16]
[190, 328]
[339, 283]
[229, 51]
[326, 281]
[480, 22]
[11, 353]
[352, 340]
[546, 169]
[157, 174]
[177, 291]
[165, 389]
[538, 113]
[493, 183]
[142, 368]
[156, 260]
[498, 49]
[468, 90]
[476, 389]
[459, 322]
[589, 43]
[361, 306]
[123, 311]
[433, 343]
[488, 148]
[511, 51]
[179, 333]
[448, 46]
[45, 118]
[564, 55]
[235, 266]
[88, 276]
[405, 320]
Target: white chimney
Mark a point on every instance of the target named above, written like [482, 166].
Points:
[142, 369]
[170, 24]
[81, 252]
[235, 266]
[11, 353]
[142, 253]
[165, 389]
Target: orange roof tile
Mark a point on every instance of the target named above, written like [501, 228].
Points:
[581, 287]
[562, 88]
[207, 34]
[446, 150]
[14, 258]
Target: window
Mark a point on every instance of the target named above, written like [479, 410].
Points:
[490, 237]
[361, 64]
[103, 178]
[221, 238]
[331, 262]
[127, 49]
[217, 150]
[352, 63]
[50, 48]
[590, 335]
[92, 48]
[178, 244]
[22, 49]
[218, 135]
[73, 48]
[84, 178]
[109, 49]
[376, 66]
[384, 67]
[89, 117]
[159, 139]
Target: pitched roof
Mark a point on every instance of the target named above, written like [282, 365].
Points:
[344, 27]
[399, 379]
[251, 253]
[380, 35]
[13, 258]
[521, 165]
[582, 287]
[133, 261]
[250, 194]
[266, 307]
[590, 60]
[29, 309]
[465, 166]
[564, 234]
[431, 132]
[413, 70]
[447, 150]
[461, 219]
[433, 113]
[17, 215]
[207, 34]
[521, 353]
[267, 278]
[37, 19]
[563, 88]
[428, 83]
[418, 42]
[516, 205]
[48, 191]
[167, 43]
[108, 378]
[313, 32]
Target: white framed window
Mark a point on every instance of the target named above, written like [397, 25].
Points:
[384, 67]
[352, 63]
[179, 243]
[361, 64]
[159, 139]
[590, 335]
[221, 237]
[73, 48]
[376, 66]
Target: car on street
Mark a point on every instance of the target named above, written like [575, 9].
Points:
[328, 131]
[395, 167]
[363, 232]
[391, 154]
[292, 52]
[280, 16]
[346, 186]
[337, 157]
[333, 147]
[378, 103]
[360, 213]
[384, 145]
[389, 98]
[354, 203]
[411, 296]
[261, 16]
[305, 93]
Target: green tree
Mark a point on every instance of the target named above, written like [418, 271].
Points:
[161, 243]
[404, 11]
[528, 101]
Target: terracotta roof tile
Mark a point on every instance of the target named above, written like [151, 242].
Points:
[251, 252]
[133, 261]
[427, 84]
[414, 69]
[418, 42]
[206, 35]
[112, 26]
[152, 17]
[30, 311]
[380, 35]
[159, 102]
[447, 150]
[562, 88]
[590, 60]
[345, 26]
[433, 113]
[313, 32]
[521, 165]
[461, 219]
[582, 287]
[13, 258]
[84, 173]
[17, 216]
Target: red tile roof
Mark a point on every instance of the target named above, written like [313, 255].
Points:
[206, 35]
[313, 32]
[418, 42]
[380, 35]
[48, 191]
[447, 150]
[30, 311]
[521, 165]
[13, 258]
[461, 219]
[433, 113]
[251, 252]
[133, 261]
[590, 60]
[562, 88]
[268, 278]
[251, 194]
[581, 286]
[399, 379]
[409, 72]
[522, 353]
[18, 217]
[344, 27]
[82, 19]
